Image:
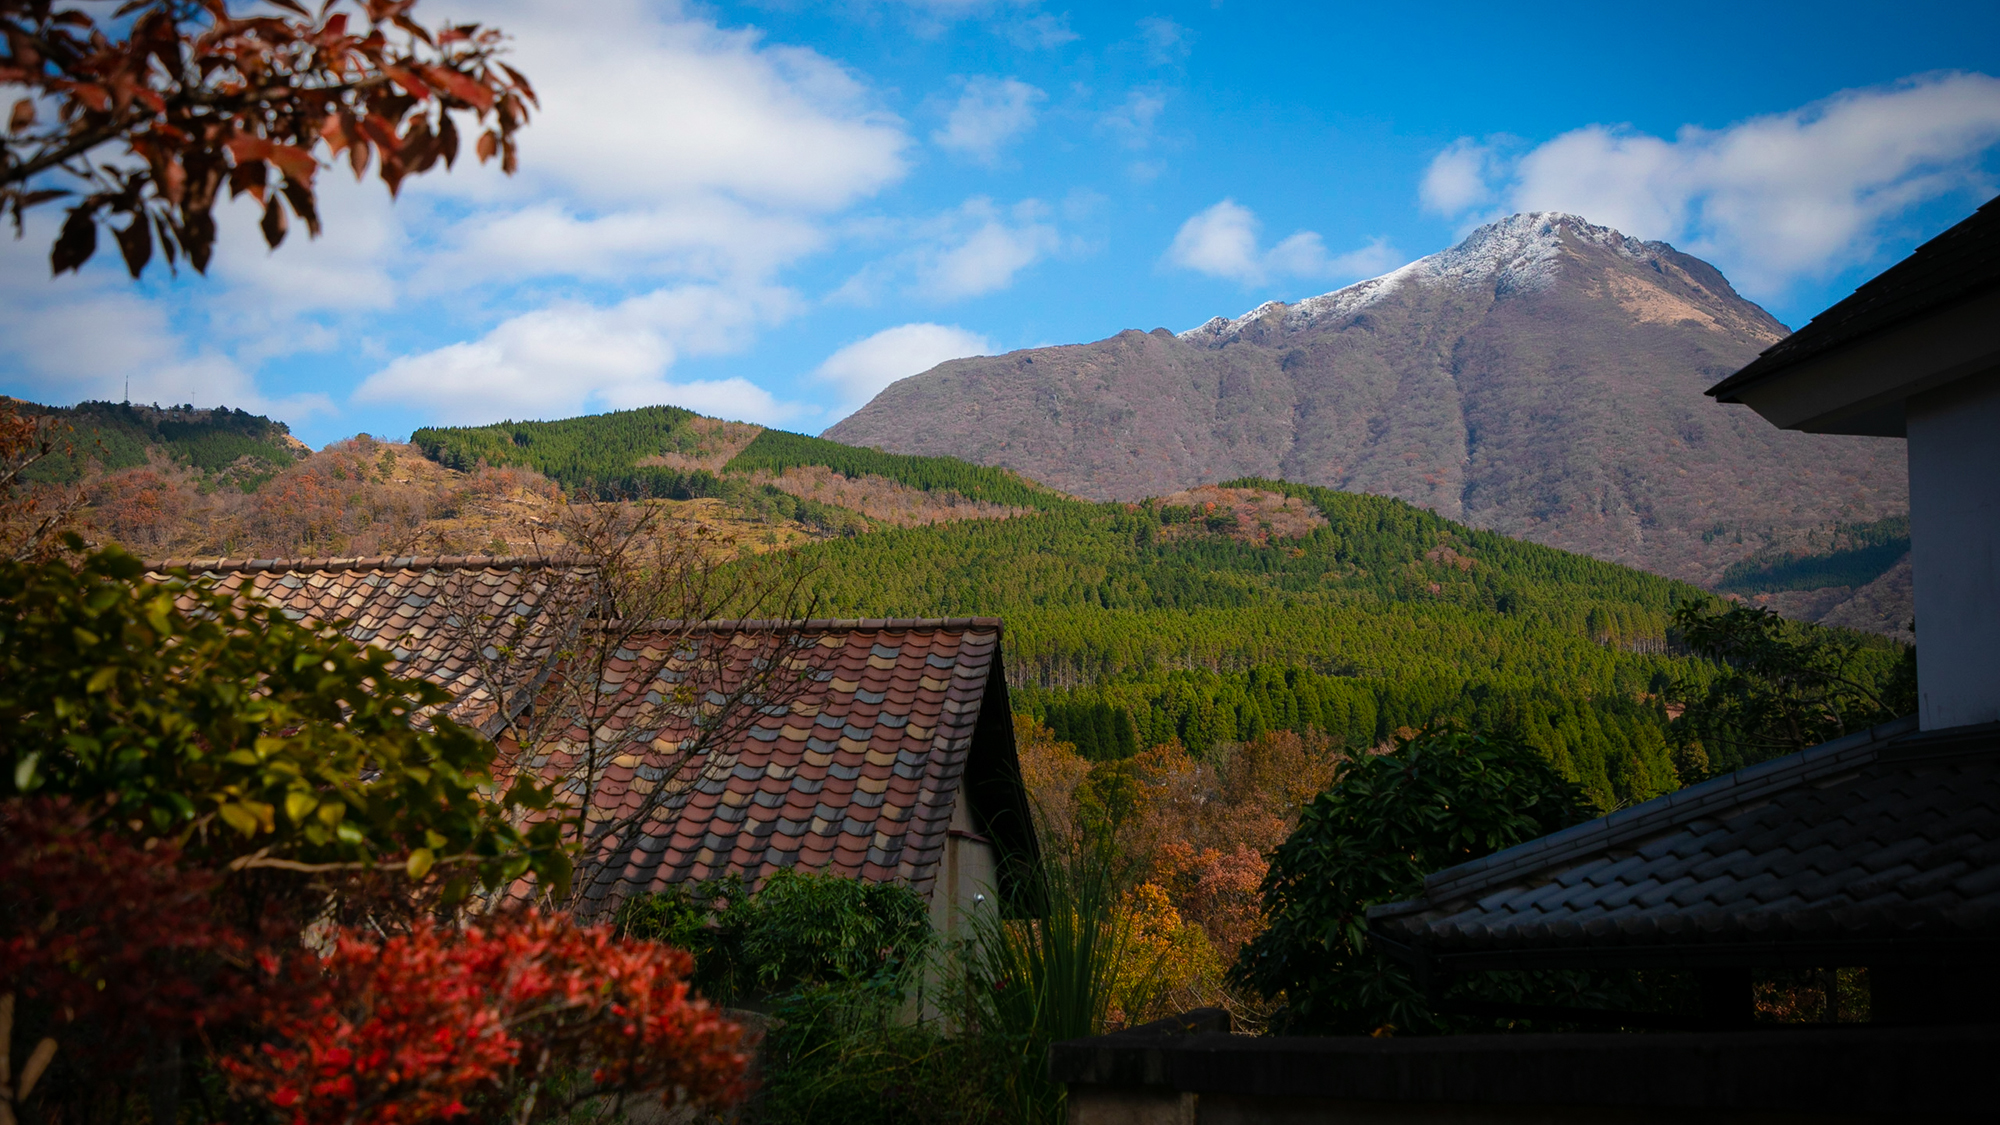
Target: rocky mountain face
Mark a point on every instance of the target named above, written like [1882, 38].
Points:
[1543, 378]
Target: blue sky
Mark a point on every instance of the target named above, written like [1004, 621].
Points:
[769, 211]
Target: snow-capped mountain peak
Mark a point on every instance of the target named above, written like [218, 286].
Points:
[1519, 253]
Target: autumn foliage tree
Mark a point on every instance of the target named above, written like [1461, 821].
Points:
[202, 100]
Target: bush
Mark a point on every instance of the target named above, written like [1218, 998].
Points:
[1439, 798]
[1784, 686]
[800, 929]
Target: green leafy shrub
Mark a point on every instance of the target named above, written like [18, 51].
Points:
[1438, 799]
[799, 929]
[1035, 981]
[249, 739]
[849, 1052]
[836, 962]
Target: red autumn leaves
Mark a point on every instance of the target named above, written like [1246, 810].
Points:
[202, 99]
[416, 1027]
[119, 943]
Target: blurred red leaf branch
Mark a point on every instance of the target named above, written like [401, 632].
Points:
[202, 98]
[113, 945]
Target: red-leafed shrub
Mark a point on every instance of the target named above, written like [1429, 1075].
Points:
[116, 941]
[526, 1014]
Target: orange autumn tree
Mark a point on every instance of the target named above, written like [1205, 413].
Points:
[191, 99]
[1190, 836]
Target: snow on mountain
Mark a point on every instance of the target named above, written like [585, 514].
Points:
[1519, 253]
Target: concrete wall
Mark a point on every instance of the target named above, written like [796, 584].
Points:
[1954, 436]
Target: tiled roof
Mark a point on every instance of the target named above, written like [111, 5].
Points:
[1885, 839]
[1957, 265]
[901, 721]
[858, 776]
[422, 609]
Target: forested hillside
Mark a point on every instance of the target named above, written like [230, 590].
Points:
[666, 452]
[1124, 629]
[1207, 617]
[221, 446]
[1543, 378]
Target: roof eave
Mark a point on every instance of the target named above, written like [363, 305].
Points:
[1859, 387]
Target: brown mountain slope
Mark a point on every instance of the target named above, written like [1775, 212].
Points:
[1543, 378]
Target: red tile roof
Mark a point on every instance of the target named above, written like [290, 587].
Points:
[417, 608]
[857, 775]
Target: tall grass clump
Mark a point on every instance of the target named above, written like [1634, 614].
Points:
[1035, 981]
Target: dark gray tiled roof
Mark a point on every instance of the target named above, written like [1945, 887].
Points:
[1957, 265]
[1883, 836]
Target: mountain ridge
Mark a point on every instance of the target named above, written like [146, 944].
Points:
[1541, 378]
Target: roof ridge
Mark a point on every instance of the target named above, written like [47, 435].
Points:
[1648, 817]
[375, 562]
[825, 624]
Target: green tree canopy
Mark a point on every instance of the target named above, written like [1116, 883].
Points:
[1783, 686]
[1439, 799]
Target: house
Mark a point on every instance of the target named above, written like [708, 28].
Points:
[894, 763]
[892, 760]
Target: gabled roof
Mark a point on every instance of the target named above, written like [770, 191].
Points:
[423, 609]
[858, 776]
[1881, 845]
[1961, 263]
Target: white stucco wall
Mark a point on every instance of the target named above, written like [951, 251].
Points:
[1954, 436]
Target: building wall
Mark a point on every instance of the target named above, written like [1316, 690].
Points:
[1954, 436]
[969, 874]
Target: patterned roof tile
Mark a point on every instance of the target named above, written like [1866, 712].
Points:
[1886, 836]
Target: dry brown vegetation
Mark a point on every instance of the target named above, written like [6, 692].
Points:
[1260, 515]
[365, 497]
[880, 498]
[356, 497]
[718, 443]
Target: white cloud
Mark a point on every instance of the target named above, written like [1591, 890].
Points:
[861, 369]
[990, 113]
[1164, 40]
[669, 156]
[1223, 242]
[709, 239]
[637, 106]
[1042, 32]
[94, 336]
[1771, 200]
[976, 248]
[986, 258]
[1455, 182]
[1133, 121]
[567, 358]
